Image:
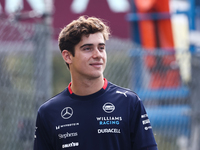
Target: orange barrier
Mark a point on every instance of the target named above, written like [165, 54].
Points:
[158, 34]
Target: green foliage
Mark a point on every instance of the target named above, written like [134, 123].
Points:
[166, 143]
[118, 69]
[61, 74]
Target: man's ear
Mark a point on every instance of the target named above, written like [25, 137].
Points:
[67, 56]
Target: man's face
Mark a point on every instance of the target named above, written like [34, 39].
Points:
[90, 57]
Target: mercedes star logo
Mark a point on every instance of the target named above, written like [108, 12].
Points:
[67, 112]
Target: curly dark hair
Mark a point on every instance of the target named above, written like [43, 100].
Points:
[73, 32]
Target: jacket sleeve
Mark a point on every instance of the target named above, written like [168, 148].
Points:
[42, 139]
[142, 137]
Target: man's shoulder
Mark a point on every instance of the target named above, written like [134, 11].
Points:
[55, 101]
[125, 97]
[124, 92]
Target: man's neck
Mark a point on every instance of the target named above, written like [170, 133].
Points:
[85, 87]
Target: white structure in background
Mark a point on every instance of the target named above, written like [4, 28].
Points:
[195, 39]
[180, 28]
[117, 6]
[77, 6]
[39, 6]
[183, 38]
[182, 142]
[12, 6]
[1, 9]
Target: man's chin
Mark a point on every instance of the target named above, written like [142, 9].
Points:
[95, 76]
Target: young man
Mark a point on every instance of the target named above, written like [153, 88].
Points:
[91, 113]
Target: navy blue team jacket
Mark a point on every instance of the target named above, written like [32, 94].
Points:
[113, 118]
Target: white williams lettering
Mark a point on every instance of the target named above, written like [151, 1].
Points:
[109, 118]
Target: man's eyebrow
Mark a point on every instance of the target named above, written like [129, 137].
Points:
[86, 45]
[92, 44]
[102, 44]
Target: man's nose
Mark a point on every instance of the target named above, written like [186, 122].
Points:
[96, 53]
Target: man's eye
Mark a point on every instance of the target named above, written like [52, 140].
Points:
[102, 48]
[87, 48]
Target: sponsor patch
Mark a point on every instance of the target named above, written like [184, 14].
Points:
[66, 125]
[144, 116]
[147, 128]
[124, 93]
[66, 135]
[66, 113]
[108, 107]
[112, 130]
[145, 121]
[73, 144]
[109, 120]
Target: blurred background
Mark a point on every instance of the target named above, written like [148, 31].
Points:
[154, 50]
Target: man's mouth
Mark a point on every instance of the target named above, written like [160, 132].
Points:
[96, 65]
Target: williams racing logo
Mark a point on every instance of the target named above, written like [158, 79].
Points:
[108, 107]
[109, 120]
